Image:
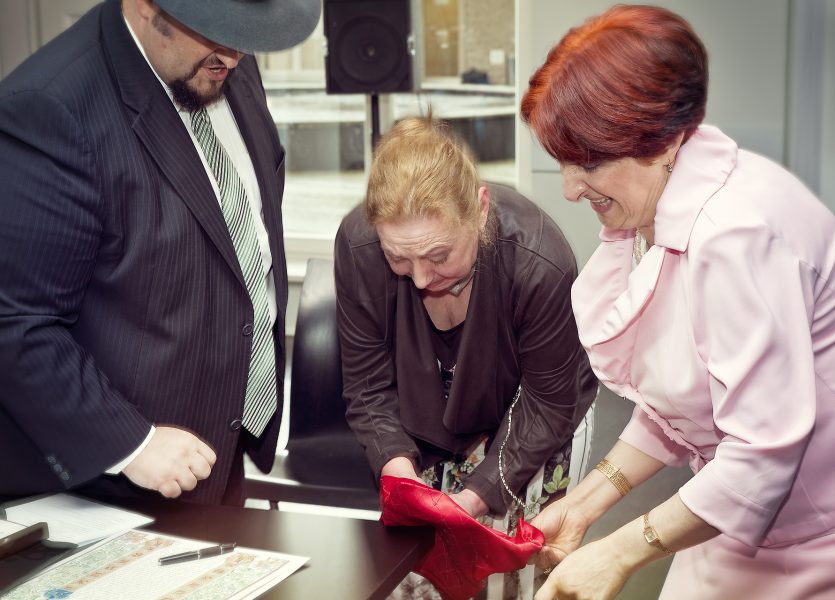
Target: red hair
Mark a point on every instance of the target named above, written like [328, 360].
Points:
[625, 83]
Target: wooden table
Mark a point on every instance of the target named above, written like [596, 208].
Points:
[349, 558]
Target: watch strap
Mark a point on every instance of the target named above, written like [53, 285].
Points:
[652, 538]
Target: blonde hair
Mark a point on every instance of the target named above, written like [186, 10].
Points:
[421, 170]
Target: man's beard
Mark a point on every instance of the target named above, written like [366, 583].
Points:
[189, 98]
[184, 95]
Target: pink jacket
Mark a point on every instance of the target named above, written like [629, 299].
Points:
[724, 337]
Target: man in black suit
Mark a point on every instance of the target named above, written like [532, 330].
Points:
[143, 283]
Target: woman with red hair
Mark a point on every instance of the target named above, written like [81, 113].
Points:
[710, 304]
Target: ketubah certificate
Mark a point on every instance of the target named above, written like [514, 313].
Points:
[126, 566]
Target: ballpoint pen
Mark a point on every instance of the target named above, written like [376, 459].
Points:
[197, 554]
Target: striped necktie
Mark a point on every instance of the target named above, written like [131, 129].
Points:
[260, 399]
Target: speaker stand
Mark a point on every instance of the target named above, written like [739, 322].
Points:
[379, 117]
[374, 99]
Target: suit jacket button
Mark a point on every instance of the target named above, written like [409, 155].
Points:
[235, 424]
[57, 468]
[247, 329]
[51, 459]
[65, 476]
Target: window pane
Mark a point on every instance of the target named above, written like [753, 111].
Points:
[324, 139]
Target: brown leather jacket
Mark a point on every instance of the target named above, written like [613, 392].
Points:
[519, 330]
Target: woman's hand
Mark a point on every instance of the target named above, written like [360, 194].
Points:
[593, 572]
[471, 502]
[598, 570]
[564, 527]
[400, 466]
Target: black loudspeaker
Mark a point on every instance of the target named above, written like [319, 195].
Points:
[370, 46]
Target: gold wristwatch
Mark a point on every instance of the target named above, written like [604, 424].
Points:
[651, 536]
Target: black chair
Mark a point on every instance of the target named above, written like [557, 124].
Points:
[324, 464]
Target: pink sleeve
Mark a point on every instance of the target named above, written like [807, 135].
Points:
[751, 319]
[648, 437]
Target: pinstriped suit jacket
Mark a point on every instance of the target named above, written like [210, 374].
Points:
[121, 300]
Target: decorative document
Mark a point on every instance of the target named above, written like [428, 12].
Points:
[126, 567]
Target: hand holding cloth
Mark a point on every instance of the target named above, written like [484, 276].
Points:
[465, 552]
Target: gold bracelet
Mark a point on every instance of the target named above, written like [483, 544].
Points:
[651, 536]
[614, 475]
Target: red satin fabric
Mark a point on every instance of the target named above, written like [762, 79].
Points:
[465, 551]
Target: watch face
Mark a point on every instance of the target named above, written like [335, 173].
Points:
[650, 536]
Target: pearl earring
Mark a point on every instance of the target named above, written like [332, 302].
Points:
[669, 167]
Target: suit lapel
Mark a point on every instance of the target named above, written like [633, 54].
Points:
[167, 141]
[160, 129]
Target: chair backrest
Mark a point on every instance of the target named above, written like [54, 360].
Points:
[316, 403]
[321, 448]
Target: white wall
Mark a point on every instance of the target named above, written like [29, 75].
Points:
[827, 171]
[26, 25]
[748, 45]
[18, 34]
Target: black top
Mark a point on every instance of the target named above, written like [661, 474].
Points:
[446, 343]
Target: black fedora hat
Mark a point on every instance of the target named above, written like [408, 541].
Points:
[247, 25]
